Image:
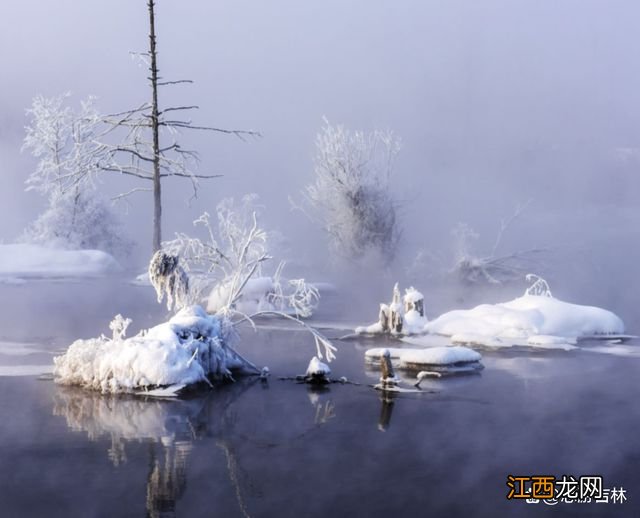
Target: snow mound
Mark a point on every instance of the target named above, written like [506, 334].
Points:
[411, 358]
[20, 261]
[317, 368]
[191, 347]
[530, 318]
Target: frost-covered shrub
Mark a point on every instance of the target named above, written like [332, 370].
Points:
[351, 195]
[79, 221]
[65, 142]
[226, 264]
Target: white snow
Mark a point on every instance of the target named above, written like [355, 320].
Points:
[189, 348]
[411, 357]
[317, 368]
[413, 323]
[412, 295]
[373, 329]
[27, 261]
[531, 319]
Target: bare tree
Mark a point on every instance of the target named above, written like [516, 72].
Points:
[149, 146]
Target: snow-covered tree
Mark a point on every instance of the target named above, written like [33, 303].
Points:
[65, 143]
[352, 192]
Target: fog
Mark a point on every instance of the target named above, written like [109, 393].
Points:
[497, 103]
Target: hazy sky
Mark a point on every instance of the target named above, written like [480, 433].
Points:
[496, 102]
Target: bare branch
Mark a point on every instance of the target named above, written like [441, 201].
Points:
[177, 82]
[191, 175]
[128, 193]
[127, 171]
[178, 108]
[188, 125]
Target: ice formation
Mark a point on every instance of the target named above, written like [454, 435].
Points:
[191, 347]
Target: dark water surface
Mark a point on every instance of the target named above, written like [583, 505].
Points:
[281, 449]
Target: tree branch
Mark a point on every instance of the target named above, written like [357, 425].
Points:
[177, 82]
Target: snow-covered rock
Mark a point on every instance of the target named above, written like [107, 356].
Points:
[412, 358]
[317, 368]
[191, 347]
[22, 261]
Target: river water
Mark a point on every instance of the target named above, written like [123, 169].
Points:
[279, 448]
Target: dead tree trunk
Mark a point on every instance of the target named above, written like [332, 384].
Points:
[157, 193]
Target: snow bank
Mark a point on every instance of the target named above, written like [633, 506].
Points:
[411, 358]
[190, 348]
[532, 319]
[35, 261]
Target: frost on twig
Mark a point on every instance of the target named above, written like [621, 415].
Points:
[492, 269]
[226, 264]
[540, 287]
[322, 343]
[78, 215]
[119, 326]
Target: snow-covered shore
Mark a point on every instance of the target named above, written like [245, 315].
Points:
[28, 261]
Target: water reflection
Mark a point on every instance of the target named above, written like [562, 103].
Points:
[325, 409]
[169, 426]
[387, 400]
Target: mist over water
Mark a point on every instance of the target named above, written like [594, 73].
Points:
[499, 105]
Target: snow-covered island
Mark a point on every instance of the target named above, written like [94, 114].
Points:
[536, 319]
[192, 347]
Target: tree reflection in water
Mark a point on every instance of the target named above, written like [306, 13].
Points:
[169, 425]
